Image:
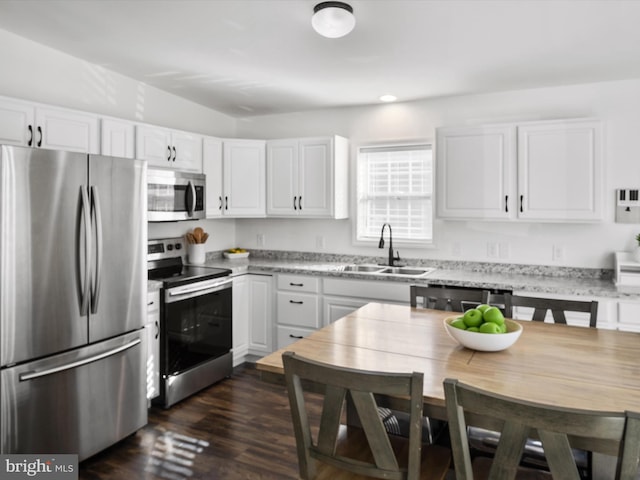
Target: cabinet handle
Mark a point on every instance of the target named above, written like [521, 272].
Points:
[30, 142]
[220, 198]
[157, 329]
[506, 203]
[169, 157]
[300, 202]
[151, 302]
[296, 302]
[521, 202]
[296, 284]
[294, 203]
[226, 203]
[174, 154]
[295, 336]
[40, 132]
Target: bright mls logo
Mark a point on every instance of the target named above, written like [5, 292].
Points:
[50, 467]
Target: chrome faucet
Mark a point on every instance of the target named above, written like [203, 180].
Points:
[392, 259]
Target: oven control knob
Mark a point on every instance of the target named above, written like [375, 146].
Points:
[178, 246]
[169, 247]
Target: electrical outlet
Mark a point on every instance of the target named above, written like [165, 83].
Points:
[320, 242]
[492, 249]
[558, 253]
[260, 240]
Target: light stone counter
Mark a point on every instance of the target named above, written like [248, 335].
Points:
[557, 280]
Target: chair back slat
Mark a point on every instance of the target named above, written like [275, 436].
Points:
[558, 307]
[362, 387]
[453, 299]
[615, 431]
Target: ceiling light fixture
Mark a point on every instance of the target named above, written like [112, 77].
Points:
[388, 98]
[333, 19]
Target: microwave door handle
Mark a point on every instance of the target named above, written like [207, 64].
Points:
[190, 200]
[97, 220]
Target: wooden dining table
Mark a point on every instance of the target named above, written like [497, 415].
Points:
[554, 364]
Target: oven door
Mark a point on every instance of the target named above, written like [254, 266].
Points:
[196, 326]
[173, 195]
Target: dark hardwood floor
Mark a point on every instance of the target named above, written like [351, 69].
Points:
[239, 428]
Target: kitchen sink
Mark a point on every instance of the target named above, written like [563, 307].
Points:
[384, 270]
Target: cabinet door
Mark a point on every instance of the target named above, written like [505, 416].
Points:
[153, 145]
[244, 173]
[316, 177]
[560, 170]
[58, 129]
[282, 178]
[212, 168]
[17, 123]
[475, 172]
[152, 330]
[240, 310]
[117, 138]
[260, 314]
[335, 308]
[188, 151]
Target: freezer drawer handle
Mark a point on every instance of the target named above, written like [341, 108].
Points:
[31, 375]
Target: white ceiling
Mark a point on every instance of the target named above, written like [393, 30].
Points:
[255, 57]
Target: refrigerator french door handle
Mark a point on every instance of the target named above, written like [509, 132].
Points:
[97, 221]
[78, 363]
[190, 200]
[83, 276]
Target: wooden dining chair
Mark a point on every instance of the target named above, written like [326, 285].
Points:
[558, 308]
[341, 452]
[453, 299]
[609, 433]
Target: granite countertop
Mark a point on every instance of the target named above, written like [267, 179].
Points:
[567, 281]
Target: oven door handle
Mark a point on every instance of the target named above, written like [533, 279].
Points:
[174, 294]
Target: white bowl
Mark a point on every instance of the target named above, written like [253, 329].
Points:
[230, 255]
[484, 342]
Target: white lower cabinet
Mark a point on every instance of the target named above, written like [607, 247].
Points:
[297, 307]
[628, 315]
[341, 296]
[152, 336]
[607, 317]
[252, 316]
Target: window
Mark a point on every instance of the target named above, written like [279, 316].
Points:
[395, 186]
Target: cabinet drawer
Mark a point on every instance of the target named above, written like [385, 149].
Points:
[299, 309]
[288, 335]
[153, 301]
[299, 283]
[371, 289]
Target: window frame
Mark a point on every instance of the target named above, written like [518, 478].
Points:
[397, 242]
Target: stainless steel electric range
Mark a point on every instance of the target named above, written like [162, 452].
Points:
[195, 321]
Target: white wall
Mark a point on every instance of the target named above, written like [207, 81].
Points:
[35, 72]
[584, 245]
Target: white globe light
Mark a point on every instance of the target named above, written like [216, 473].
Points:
[333, 19]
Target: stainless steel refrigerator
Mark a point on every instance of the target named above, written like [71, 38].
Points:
[73, 291]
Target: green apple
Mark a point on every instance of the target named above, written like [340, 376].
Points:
[482, 307]
[490, 327]
[503, 328]
[459, 323]
[493, 315]
[472, 329]
[472, 317]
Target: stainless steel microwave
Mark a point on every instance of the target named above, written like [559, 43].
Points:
[174, 195]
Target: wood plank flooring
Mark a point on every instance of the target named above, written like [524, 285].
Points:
[239, 429]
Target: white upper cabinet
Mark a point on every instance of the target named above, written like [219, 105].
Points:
[244, 169]
[166, 148]
[212, 168]
[118, 138]
[40, 126]
[543, 171]
[308, 177]
[560, 170]
[474, 171]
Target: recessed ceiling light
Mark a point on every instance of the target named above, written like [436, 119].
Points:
[388, 98]
[333, 19]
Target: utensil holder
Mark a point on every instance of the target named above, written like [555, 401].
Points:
[196, 253]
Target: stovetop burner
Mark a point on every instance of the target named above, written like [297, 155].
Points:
[165, 263]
